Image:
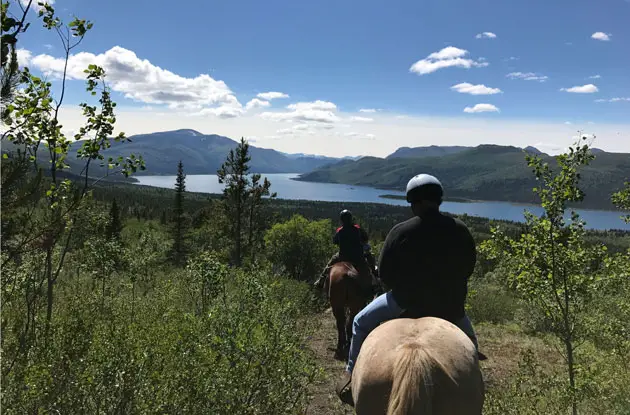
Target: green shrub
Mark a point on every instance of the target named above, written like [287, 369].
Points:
[490, 302]
[160, 353]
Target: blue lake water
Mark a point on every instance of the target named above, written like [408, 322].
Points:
[332, 192]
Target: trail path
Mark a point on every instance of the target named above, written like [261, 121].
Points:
[324, 400]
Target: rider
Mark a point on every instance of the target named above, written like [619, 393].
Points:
[353, 245]
[426, 261]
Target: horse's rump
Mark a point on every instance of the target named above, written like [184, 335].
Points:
[417, 366]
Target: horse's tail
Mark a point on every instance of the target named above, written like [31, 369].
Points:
[412, 389]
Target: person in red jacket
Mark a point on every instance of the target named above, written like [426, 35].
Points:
[353, 246]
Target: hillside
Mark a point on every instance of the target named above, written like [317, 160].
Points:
[429, 151]
[485, 172]
[201, 154]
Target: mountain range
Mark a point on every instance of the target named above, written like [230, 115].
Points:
[485, 172]
[200, 154]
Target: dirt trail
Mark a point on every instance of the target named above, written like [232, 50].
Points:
[324, 400]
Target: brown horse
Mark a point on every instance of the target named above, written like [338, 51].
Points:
[417, 366]
[348, 295]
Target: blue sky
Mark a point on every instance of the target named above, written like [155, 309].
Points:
[335, 58]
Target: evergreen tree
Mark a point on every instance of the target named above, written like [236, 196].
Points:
[114, 225]
[233, 173]
[242, 198]
[178, 226]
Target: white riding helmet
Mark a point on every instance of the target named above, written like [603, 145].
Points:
[424, 186]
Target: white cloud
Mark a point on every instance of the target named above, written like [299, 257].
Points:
[481, 108]
[527, 76]
[583, 89]
[224, 111]
[448, 57]
[601, 36]
[316, 111]
[616, 99]
[361, 119]
[140, 80]
[467, 88]
[315, 105]
[257, 103]
[272, 95]
[511, 58]
[487, 35]
[595, 77]
[356, 135]
[368, 110]
[35, 6]
[567, 122]
[23, 56]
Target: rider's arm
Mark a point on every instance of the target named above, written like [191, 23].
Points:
[388, 271]
[336, 238]
[469, 252]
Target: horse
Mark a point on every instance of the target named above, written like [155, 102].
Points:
[417, 366]
[347, 297]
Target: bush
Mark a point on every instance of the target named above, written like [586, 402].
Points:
[489, 302]
[299, 246]
[160, 353]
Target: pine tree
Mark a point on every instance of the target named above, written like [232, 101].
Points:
[233, 173]
[178, 227]
[242, 199]
[114, 225]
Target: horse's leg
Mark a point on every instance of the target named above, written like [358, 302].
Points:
[340, 318]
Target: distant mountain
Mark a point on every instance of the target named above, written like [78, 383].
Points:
[485, 172]
[532, 150]
[200, 153]
[430, 151]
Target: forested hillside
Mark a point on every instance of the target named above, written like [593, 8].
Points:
[486, 172]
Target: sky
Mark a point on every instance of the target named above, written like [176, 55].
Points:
[342, 78]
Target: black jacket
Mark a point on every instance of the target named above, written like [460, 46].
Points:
[427, 262]
[350, 240]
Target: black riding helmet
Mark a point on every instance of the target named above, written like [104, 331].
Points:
[424, 187]
[346, 217]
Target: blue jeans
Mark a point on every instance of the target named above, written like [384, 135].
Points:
[380, 310]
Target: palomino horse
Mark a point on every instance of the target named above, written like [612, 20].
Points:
[417, 366]
[347, 297]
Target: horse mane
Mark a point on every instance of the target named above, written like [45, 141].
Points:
[414, 368]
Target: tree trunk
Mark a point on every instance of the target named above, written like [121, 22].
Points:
[571, 367]
[49, 278]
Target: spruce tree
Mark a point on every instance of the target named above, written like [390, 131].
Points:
[178, 226]
[242, 200]
[114, 225]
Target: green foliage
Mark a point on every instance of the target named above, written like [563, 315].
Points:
[621, 199]
[551, 267]
[489, 301]
[300, 247]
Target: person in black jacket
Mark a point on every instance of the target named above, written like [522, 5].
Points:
[425, 262]
[353, 242]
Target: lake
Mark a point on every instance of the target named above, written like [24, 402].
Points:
[332, 192]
